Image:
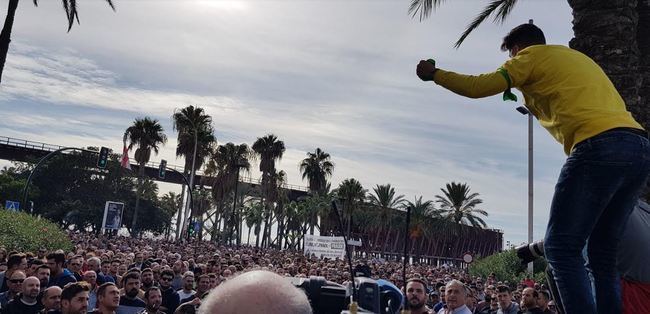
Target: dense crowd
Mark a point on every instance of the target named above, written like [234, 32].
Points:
[126, 275]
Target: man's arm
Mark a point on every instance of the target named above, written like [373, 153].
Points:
[471, 86]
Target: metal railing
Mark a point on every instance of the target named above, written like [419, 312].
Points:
[29, 144]
[10, 141]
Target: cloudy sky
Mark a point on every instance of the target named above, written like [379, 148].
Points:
[338, 75]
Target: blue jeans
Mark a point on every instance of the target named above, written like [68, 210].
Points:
[597, 189]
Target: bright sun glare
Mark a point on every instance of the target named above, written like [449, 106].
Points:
[230, 5]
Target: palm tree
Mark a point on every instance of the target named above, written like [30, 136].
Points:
[612, 33]
[269, 149]
[195, 138]
[70, 7]
[170, 202]
[423, 214]
[317, 168]
[459, 205]
[228, 159]
[254, 218]
[147, 134]
[353, 195]
[386, 202]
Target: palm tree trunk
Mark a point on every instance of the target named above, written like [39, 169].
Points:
[179, 218]
[5, 35]
[643, 29]
[606, 31]
[137, 199]
[248, 241]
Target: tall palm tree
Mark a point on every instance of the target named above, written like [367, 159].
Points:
[195, 138]
[146, 134]
[612, 33]
[70, 7]
[352, 193]
[423, 213]
[228, 159]
[269, 150]
[317, 168]
[459, 205]
[386, 202]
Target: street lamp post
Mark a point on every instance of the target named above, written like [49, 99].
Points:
[525, 111]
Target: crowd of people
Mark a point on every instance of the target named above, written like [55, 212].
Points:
[127, 275]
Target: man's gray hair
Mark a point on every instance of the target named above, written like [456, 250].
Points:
[459, 283]
[256, 291]
[95, 258]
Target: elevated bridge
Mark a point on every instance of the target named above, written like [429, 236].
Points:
[14, 149]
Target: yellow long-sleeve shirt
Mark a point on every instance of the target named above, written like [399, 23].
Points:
[565, 90]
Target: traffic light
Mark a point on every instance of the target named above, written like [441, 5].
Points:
[102, 160]
[190, 229]
[162, 168]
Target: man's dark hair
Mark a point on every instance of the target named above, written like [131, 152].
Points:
[418, 280]
[167, 272]
[35, 262]
[131, 275]
[73, 288]
[546, 294]
[104, 262]
[15, 260]
[535, 294]
[146, 270]
[146, 293]
[102, 289]
[42, 266]
[59, 258]
[523, 36]
[503, 288]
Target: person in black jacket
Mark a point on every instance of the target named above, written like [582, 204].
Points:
[171, 300]
[59, 276]
[26, 302]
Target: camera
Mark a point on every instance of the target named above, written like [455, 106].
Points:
[531, 251]
[327, 297]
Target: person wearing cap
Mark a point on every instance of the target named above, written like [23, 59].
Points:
[434, 298]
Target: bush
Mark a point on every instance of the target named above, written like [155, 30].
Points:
[506, 267]
[26, 233]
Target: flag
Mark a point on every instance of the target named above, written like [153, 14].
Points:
[125, 158]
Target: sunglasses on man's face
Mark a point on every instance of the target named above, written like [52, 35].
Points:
[165, 279]
[16, 280]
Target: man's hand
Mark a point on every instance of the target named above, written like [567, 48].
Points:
[426, 69]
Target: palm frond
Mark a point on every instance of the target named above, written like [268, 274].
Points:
[424, 7]
[504, 8]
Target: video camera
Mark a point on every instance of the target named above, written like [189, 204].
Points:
[531, 251]
[327, 297]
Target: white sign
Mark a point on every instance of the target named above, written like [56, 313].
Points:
[112, 216]
[468, 258]
[322, 247]
[354, 242]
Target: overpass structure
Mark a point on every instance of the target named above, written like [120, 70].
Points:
[14, 149]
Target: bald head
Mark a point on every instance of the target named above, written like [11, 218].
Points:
[255, 290]
[31, 288]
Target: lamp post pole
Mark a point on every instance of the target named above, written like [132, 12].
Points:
[525, 111]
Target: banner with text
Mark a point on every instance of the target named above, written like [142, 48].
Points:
[321, 246]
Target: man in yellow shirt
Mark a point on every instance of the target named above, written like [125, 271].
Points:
[607, 165]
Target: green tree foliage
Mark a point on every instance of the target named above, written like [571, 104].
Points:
[506, 266]
[23, 232]
[12, 184]
[69, 190]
